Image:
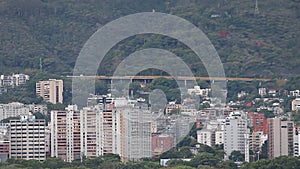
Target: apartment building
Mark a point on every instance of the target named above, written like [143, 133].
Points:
[27, 138]
[66, 134]
[296, 141]
[99, 129]
[13, 80]
[236, 135]
[162, 143]
[296, 104]
[135, 130]
[91, 133]
[256, 140]
[219, 137]
[13, 109]
[210, 137]
[258, 122]
[102, 129]
[280, 138]
[50, 90]
[206, 137]
[4, 142]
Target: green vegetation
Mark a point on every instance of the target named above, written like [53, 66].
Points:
[203, 160]
[283, 162]
[237, 156]
[263, 45]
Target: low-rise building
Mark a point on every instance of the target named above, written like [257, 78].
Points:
[296, 104]
[162, 143]
[13, 80]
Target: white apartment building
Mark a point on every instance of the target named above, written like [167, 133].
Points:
[236, 135]
[262, 91]
[13, 109]
[135, 131]
[37, 108]
[4, 142]
[27, 138]
[296, 141]
[91, 133]
[206, 137]
[13, 80]
[102, 129]
[99, 128]
[210, 137]
[50, 90]
[296, 104]
[197, 91]
[66, 134]
[295, 93]
[219, 137]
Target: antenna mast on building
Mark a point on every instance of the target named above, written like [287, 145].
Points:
[41, 65]
[256, 12]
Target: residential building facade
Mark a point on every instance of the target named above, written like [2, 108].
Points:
[13, 109]
[66, 134]
[280, 138]
[236, 135]
[27, 138]
[50, 90]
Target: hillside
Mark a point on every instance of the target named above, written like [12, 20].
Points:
[250, 45]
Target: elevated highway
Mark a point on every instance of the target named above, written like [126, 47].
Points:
[188, 78]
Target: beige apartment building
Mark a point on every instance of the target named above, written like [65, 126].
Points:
[50, 90]
[280, 138]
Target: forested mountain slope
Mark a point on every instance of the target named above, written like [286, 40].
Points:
[250, 45]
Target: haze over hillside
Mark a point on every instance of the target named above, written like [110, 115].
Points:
[250, 45]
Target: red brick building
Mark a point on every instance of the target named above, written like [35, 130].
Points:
[258, 122]
[161, 143]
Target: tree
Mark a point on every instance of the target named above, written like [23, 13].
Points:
[204, 159]
[100, 88]
[264, 151]
[267, 113]
[186, 141]
[135, 87]
[168, 86]
[237, 156]
[228, 164]
[206, 148]
[204, 106]
[54, 163]
[185, 152]
[176, 162]
[172, 153]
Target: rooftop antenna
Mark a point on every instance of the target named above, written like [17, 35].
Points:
[41, 65]
[256, 12]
